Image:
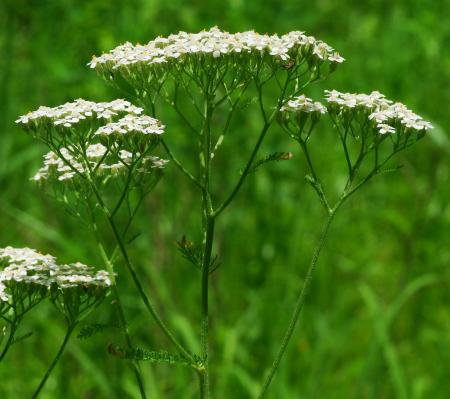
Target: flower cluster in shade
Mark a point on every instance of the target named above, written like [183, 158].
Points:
[30, 268]
[388, 116]
[303, 104]
[129, 125]
[216, 44]
[68, 165]
[69, 114]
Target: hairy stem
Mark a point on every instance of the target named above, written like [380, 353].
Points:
[300, 302]
[70, 329]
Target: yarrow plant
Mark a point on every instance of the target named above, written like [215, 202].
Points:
[29, 277]
[102, 164]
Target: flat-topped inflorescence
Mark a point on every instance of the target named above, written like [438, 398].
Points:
[371, 102]
[215, 43]
[78, 274]
[210, 48]
[68, 165]
[72, 113]
[299, 110]
[303, 104]
[25, 266]
[383, 115]
[131, 125]
[73, 131]
[26, 272]
[389, 117]
[25, 256]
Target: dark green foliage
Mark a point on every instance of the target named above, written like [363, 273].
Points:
[193, 253]
[92, 329]
[190, 251]
[145, 355]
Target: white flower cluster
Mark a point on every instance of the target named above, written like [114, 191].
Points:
[398, 112]
[67, 167]
[386, 114]
[78, 274]
[372, 101]
[27, 266]
[152, 163]
[74, 112]
[215, 43]
[303, 104]
[131, 124]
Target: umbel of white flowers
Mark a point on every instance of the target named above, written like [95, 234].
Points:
[123, 118]
[185, 49]
[385, 115]
[26, 269]
[71, 113]
[117, 124]
[67, 167]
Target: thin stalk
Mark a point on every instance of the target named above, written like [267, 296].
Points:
[150, 307]
[267, 123]
[209, 238]
[208, 230]
[55, 360]
[188, 174]
[122, 317]
[132, 271]
[300, 301]
[201, 382]
[244, 174]
[12, 331]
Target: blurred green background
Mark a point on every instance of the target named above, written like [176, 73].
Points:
[377, 320]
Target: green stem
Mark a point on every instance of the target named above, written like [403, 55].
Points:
[122, 317]
[136, 280]
[144, 296]
[201, 381]
[208, 231]
[267, 123]
[244, 174]
[178, 164]
[55, 360]
[209, 238]
[12, 330]
[300, 301]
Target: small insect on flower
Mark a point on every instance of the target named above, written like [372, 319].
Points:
[289, 65]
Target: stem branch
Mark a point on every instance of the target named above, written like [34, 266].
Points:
[70, 329]
[300, 301]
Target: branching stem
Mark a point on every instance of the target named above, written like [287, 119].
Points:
[12, 330]
[69, 331]
[122, 317]
[149, 306]
[307, 281]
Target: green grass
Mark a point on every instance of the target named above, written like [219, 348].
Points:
[377, 320]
